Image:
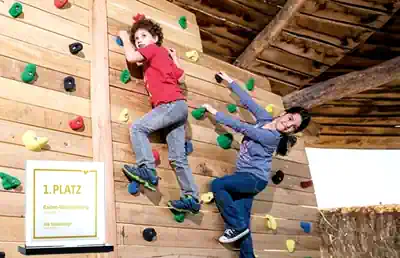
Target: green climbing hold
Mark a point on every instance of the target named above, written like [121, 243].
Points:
[9, 182]
[250, 84]
[225, 140]
[125, 76]
[29, 73]
[198, 112]
[179, 217]
[15, 10]
[231, 108]
[183, 22]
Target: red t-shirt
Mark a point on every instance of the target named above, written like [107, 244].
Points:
[161, 75]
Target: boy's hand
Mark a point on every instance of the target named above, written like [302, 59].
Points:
[124, 35]
[210, 109]
[226, 77]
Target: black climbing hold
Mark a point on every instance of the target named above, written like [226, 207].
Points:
[69, 83]
[218, 78]
[75, 48]
[2, 255]
[149, 234]
[278, 177]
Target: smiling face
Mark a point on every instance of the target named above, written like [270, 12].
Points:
[288, 122]
[143, 38]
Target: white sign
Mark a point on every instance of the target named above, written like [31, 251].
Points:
[65, 203]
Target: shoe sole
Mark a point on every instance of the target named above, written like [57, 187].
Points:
[181, 210]
[136, 178]
[234, 239]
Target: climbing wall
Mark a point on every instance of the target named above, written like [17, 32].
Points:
[288, 202]
[41, 35]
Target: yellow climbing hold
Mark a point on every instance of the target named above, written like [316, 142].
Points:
[124, 115]
[192, 55]
[270, 222]
[273, 110]
[32, 142]
[290, 244]
[207, 197]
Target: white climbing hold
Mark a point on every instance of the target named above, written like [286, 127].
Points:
[270, 222]
[124, 115]
[192, 55]
[32, 142]
[290, 245]
[207, 197]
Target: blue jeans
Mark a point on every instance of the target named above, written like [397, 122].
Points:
[234, 196]
[172, 118]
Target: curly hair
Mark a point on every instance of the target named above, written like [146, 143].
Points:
[153, 28]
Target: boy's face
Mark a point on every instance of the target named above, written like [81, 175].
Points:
[143, 38]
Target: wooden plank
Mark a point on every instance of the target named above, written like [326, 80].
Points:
[43, 38]
[49, 21]
[359, 130]
[122, 12]
[81, 3]
[52, 60]
[49, 99]
[379, 5]
[100, 113]
[333, 110]
[47, 78]
[353, 120]
[14, 203]
[356, 142]
[169, 237]
[171, 9]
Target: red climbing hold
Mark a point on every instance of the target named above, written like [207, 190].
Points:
[60, 3]
[76, 123]
[306, 184]
[138, 17]
[156, 156]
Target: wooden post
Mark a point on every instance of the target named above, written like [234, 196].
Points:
[269, 33]
[344, 85]
[101, 111]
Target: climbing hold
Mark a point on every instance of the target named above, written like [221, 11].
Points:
[156, 156]
[306, 226]
[124, 115]
[225, 140]
[119, 41]
[149, 234]
[138, 17]
[125, 76]
[218, 78]
[60, 3]
[32, 142]
[198, 113]
[179, 217]
[76, 123]
[231, 108]
[69, 83]
[75, 48]
[183, 22]
[9, 182]
[250, 84]
[207, 197]
[192, 55]
[15, 10]
[270, 222]
[133, 187]
[29, 73]
[290, 245]
[306, 184]
[188, 147]
[278, 177]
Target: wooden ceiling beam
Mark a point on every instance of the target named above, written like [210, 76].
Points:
[269, 33]
[345, 85]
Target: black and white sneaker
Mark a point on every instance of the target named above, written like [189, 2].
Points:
[232, 235]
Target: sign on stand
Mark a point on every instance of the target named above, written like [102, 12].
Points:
[64, 207]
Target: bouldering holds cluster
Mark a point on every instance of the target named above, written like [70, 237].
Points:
[207, 197]
[9, 182]
[119, 41]
[306, 226]
[183, 22]
[306, 184]
[69, 84]
[278, 177]
[149, 234]
[138, 17]
[198, 113]
[225, 140]
[156, 156]
[192, 55]
[250, 84]
[77, 123]
[188, 147]
[133, 187]
[29, 73]
[60, 3]
[15, 10]
[218, 78]
[124, 115]
[33, 142]
[270, 222]
[125, 76]
[231, 108]
[290, 245]
[75, 48]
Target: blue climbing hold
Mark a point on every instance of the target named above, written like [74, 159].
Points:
[306, 226]
[188, 147]
[119, 41]
[133, 187]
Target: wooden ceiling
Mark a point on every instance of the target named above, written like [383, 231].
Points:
[323, 39]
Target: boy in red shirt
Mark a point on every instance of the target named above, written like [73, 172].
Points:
[162, 76]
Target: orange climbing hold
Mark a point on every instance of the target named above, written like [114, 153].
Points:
[60, 3]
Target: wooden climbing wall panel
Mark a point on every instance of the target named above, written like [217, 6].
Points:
[195, 237]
